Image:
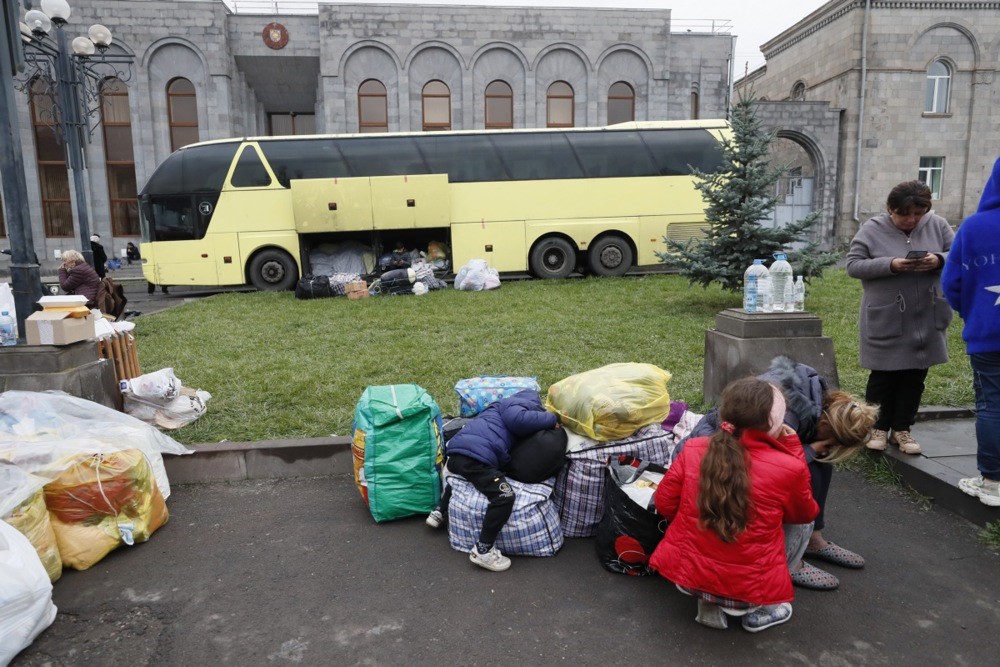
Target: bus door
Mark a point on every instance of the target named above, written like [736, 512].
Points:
[332, 205]
[405, 202]
[179, 220]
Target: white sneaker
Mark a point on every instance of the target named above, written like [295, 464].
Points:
[767, 616]
[491, 560]
[987, 491]
[434, 519]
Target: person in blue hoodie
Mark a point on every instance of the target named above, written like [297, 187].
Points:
[971, 283]
[479, 452]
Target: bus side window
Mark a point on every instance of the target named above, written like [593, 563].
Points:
[250, 171]
[537, 156]
[674, 150]
[173, 219]
[612, 154]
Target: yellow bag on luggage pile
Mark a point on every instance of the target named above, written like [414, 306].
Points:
[611, 402]
[32, 520]
[100, 501]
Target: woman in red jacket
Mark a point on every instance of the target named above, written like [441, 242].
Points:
[730, 500]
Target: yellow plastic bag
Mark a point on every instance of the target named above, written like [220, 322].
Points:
[32, 520]
[101, 501]
[611, 402]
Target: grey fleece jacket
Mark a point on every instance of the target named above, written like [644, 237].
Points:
[904, 316]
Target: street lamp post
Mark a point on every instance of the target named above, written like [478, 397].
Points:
[78, 77]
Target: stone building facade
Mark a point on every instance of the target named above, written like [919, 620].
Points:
[918, 97]
[203, 72]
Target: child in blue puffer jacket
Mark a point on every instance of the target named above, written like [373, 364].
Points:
[479, 452]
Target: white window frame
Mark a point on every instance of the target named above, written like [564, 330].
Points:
[938, 89]
[932, 173]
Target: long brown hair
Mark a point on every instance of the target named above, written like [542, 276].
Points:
[851, 421]
[724, 479]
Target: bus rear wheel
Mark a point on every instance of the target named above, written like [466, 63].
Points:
[553, 257]
[273, 270]
[610, 256]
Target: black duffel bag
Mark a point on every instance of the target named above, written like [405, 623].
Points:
[537, 457]
[313, 287]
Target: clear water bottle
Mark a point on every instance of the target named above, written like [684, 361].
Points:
[781, 281]
[799, 298]
[8, 330]
[752, 278]
[766, 294]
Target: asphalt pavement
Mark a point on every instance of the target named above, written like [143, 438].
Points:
[284, 571]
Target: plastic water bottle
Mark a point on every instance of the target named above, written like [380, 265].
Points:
[781, 282]
[8, 330]
[799, 299]
[752, 278]
[766, 294]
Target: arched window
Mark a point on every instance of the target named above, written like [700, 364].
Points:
[499, 105]
[695, 105]
[182, 113]
[119, 158]
[559, 105]
[373, 107]
[798, 92]
[53, 181]
[621, 103]
[437, 106]
[938, 87]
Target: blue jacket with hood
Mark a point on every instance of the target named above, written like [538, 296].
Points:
[971, 277]
[489, 437]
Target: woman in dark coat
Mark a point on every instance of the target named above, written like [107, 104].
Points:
[78, 277]
[898, 256]
[100, 257]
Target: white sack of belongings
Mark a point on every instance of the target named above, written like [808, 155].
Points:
[477, 276]
[25, 594]
[160, 399]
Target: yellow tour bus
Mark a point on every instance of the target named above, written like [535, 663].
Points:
[548, 201]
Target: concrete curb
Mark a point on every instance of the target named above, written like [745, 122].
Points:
[232, 461]
[934, 412]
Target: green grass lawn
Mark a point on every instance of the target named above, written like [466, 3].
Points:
[282, 368]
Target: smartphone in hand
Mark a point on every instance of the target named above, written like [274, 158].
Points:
[916, 254]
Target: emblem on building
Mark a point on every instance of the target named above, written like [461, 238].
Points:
[275, 35]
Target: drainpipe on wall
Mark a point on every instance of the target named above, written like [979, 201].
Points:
[732, 66]
[861, 112]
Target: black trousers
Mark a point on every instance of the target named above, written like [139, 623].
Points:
[491, 483]
[897, 394]
[820, 476]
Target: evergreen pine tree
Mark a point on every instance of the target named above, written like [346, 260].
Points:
[738, 195]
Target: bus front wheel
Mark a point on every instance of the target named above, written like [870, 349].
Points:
[610, 256]
[553, 257]
[273, 270]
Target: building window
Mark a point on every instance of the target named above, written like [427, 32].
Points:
[53, 181]
[182, 113]
[119, 158]
[559, 105]
[373, 107]
[286, 124]
[938, 87]
[931, 172]
[499, 105]
[695, 110]
[798, 92]
[621, 103]
[437, 106]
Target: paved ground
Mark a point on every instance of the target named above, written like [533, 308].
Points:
[295, 571]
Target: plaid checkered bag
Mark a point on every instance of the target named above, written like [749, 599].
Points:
[579, 490]
[532, 530]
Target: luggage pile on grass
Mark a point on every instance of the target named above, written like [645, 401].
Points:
[595, 476]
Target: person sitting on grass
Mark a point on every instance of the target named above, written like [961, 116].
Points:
[478, 453]
[727, 499]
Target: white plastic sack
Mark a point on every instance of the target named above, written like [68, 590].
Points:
[175, 413]
[25, 594]
[42, 432]
[161, 385]
[476, 276]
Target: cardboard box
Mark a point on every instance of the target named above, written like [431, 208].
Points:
[356, 290]
[57, 327]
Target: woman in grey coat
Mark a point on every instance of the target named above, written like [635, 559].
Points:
[898, 256]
